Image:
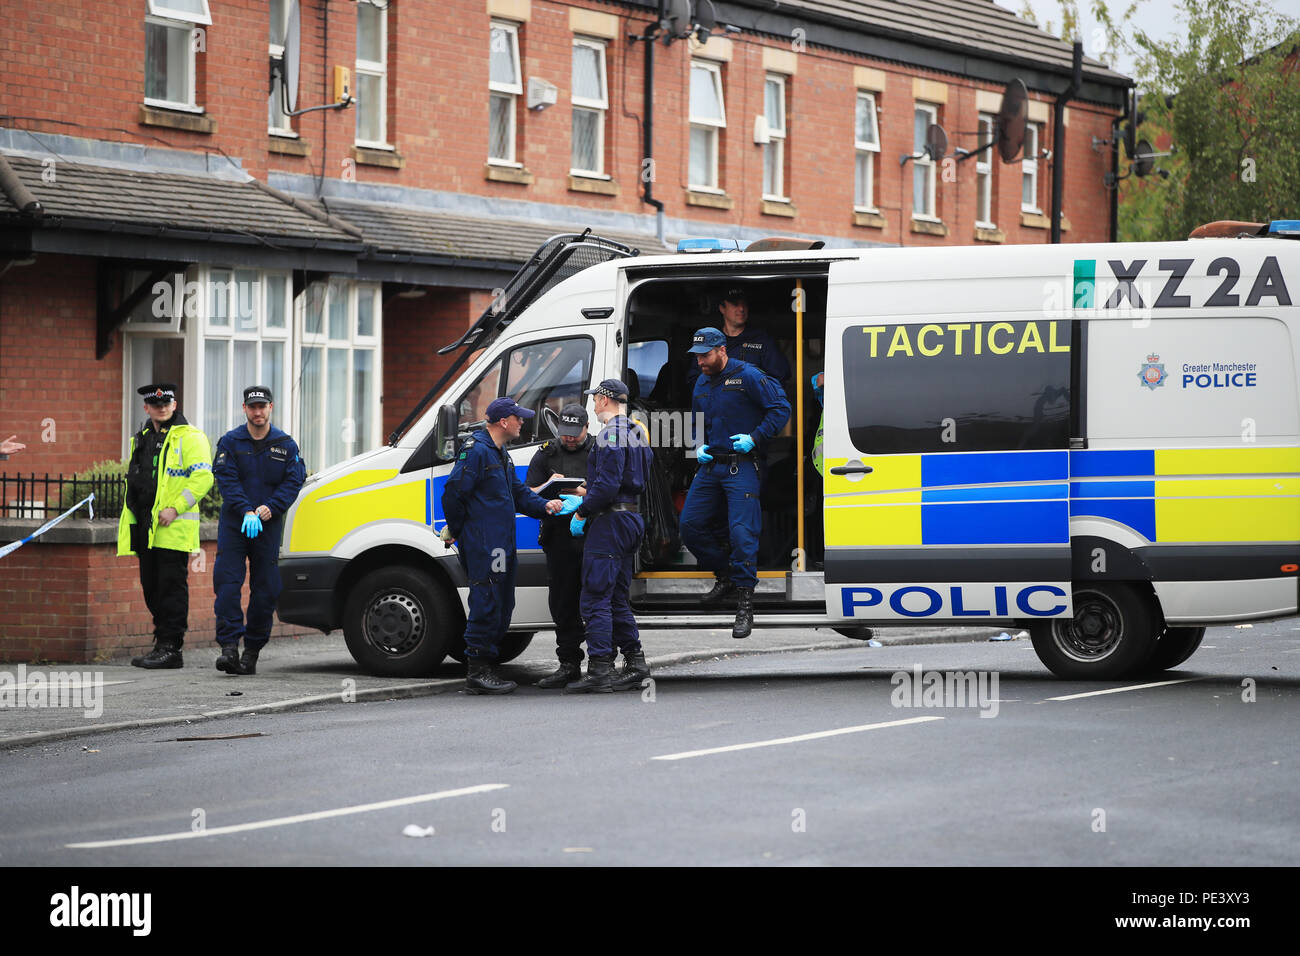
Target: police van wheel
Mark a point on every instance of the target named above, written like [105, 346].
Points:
[1112, 635]
[1176, 644]
[511, 647]
[395, 623]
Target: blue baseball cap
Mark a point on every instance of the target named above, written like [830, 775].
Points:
[610, 388]
[706, 340]
[505, 405]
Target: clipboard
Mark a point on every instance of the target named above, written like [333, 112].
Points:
[560, 486]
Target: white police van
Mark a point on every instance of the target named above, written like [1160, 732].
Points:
[1099, 442]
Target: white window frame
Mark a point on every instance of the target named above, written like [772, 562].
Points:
[1029, 167]
[927, 164]
[599, 107]
[315, 444]
[512, 90]
[276, 98]
[190, 105]
[713, 126]
[376, 68]
[984, 171]
[870, 147]
[774, 148]
[160, 9]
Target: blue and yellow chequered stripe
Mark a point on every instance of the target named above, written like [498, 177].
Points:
[983, 498]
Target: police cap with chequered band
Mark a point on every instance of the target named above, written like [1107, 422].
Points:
[610, 388]
[163, 393]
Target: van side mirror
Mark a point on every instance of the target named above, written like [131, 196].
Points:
[444, 433]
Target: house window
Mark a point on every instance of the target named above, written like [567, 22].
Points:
[1029, 170]
[170, 30]
[277, 121]
[708, 118]
[984, 173]
[923, 167]
[774, 149]
[866, 143]
[505, 88]
[338, 372]
[372, 75]
[244, 341]
[590, 101]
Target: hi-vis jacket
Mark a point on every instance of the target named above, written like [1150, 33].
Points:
[184, 477]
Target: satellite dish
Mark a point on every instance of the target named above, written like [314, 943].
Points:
[292, 46]
[1144, 158]
[706, 20]
[936, 142]
[1012, 117]
[677, 13]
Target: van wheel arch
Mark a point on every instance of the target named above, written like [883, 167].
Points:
[1112, 635]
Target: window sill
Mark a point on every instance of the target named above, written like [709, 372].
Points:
[929, 227]
[175, 119]
[872, 220]
[508, 174]
[590, 184]
[778, 207]
[369, 156]
[989, 234]
[1035, 220]
[287, 147]
[711, 200]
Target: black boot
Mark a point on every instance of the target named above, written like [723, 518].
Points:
[162, 657]
[566, 673]
[483, 679]
[635, 670]
[744, 613]
[248, 661]
[228, 662]
[599, 679]
[723, 590]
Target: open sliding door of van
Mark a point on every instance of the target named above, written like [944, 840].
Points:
[946, 442]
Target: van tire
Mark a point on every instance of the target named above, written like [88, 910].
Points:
[1176, 644]
[1111, 636]
[396, 622]
[511, 647]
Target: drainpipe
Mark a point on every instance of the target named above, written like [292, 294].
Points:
[1058, 139]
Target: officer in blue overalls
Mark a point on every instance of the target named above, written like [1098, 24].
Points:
[259, 473]
[617, 470]
[480, 500]
[743, 408]
[747, 343]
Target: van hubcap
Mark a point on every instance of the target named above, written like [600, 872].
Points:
[1095, 630]
[394, 623]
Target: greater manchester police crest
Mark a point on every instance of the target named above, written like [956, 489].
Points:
[1152, 373]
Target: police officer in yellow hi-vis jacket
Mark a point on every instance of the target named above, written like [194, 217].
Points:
[168, 473]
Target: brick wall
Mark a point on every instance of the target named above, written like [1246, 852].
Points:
[56, 57]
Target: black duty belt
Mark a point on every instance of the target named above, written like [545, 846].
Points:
[730, 457]
[631, 506]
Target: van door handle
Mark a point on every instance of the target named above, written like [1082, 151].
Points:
[852, 468]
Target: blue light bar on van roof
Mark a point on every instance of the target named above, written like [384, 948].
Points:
[1284, 227]
[709, 245]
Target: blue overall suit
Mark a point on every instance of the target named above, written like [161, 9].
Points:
[251, 473]
[617, 471]
[480, 500]
[741, 399]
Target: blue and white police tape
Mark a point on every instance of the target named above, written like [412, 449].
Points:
[11, 548]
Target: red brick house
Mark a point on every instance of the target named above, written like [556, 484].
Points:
[162, 217]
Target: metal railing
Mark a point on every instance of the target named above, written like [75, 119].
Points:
[45, 496]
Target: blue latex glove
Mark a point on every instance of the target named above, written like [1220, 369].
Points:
[817, 388]
[702, 455]
[577, 526]
[571, 503]
[742, 443]
[252, 525]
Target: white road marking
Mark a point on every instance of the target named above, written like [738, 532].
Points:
[286, 821]
[794, 740]
[1120, 690]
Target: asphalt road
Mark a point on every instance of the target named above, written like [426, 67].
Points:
[1200, 769]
